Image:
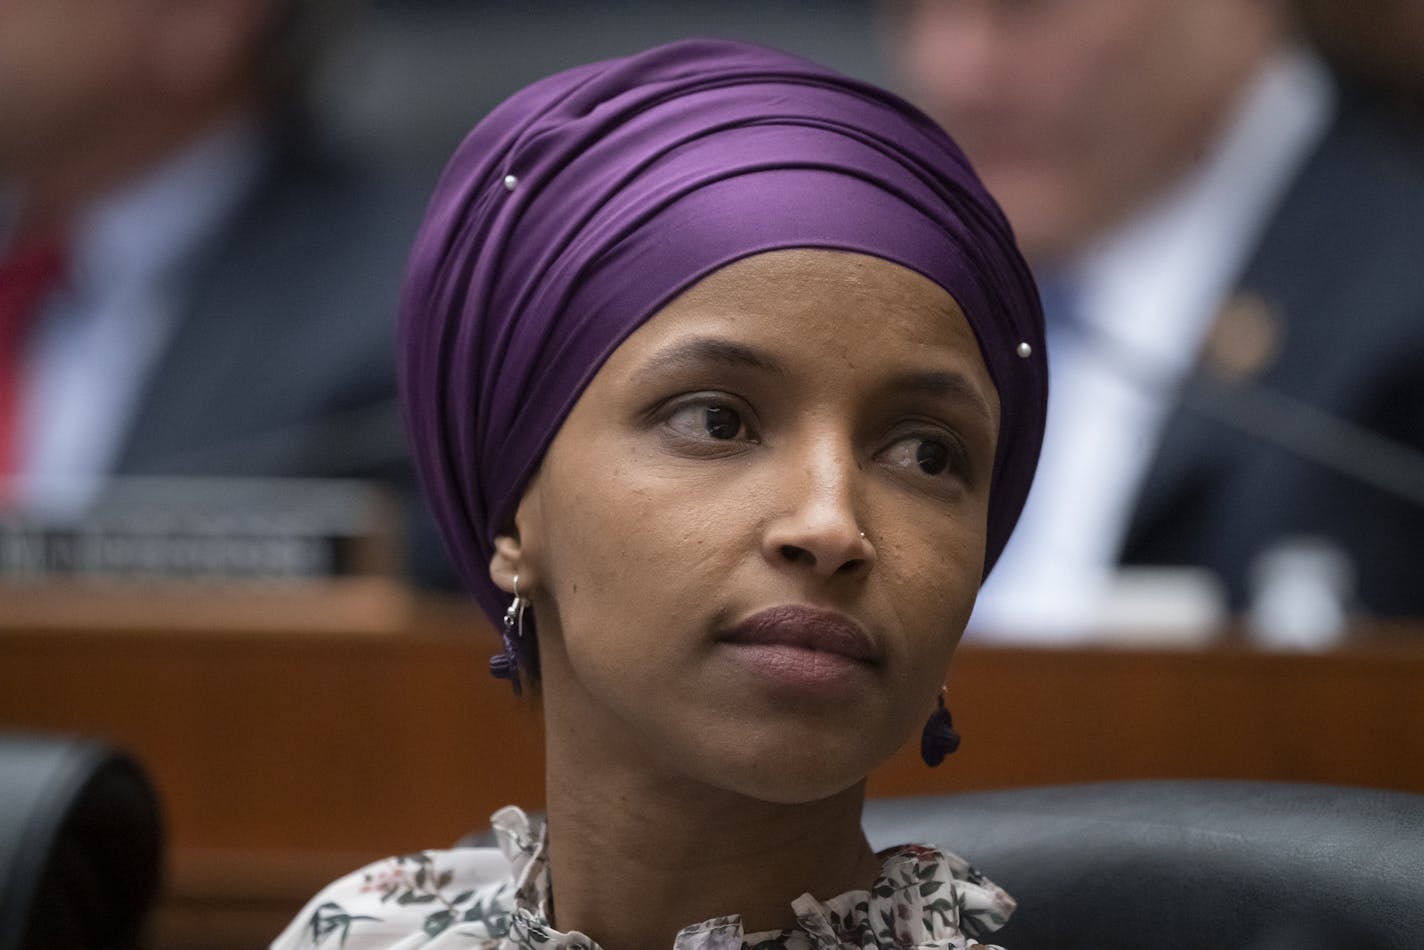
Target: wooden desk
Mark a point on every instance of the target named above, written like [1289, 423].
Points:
[290, 752]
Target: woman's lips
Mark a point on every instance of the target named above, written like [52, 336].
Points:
[805, 645]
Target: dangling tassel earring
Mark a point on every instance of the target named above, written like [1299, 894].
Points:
[939, 738]
[505, 665]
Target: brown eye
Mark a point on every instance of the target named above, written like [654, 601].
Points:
[708, 420]
[937, 455]
[722, 422]
[932, 457]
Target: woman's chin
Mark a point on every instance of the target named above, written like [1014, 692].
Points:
[815, 789]
[787, 773]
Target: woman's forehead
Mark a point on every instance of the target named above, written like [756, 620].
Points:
[758, 277]
[805, 302]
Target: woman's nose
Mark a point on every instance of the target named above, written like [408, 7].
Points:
[819, 527]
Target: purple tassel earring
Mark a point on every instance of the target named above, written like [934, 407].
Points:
[505, 665]
[939, 738]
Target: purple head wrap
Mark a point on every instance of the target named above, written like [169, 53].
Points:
[587, 201]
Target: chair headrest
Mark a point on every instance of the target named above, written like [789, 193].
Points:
[1186, 864]
[80, 844]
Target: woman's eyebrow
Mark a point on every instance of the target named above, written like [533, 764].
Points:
[703, 350]
[942, 385]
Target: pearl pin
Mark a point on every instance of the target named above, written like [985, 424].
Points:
[1024, 351]
[510, 182]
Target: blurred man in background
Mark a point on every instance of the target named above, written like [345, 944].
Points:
[190, 284]
[1229, 259]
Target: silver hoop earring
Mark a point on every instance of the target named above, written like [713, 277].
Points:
[505, 664]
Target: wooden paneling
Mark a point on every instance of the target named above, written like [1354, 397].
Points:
[1043, 716]
[288, 752]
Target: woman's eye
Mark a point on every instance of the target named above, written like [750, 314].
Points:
[722, 422]
[933, 457]
[928, 455]
[709, 419]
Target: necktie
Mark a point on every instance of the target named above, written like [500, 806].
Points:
[28, 271]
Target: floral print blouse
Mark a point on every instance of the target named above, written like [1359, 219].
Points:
[498, 899]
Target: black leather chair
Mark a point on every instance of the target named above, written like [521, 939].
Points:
[80, 845]
[1167, 865]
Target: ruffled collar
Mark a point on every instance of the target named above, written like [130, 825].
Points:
[924, 899]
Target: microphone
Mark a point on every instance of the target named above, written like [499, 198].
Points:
[1230, 397]
[1301, 587]
[1310, 433]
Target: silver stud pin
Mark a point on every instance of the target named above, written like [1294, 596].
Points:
[510, 182]
[1024, 351]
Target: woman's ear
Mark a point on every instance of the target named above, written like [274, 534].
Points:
[516, 548]
[504, 563]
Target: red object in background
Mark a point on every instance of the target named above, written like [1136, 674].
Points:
[28, 271]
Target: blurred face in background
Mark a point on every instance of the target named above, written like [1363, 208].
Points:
[1075, 112]
[63, 64]
[89, 85]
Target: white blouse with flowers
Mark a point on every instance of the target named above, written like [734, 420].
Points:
[498, 899]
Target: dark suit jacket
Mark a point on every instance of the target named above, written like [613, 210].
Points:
[1341, 267]
[282, 362]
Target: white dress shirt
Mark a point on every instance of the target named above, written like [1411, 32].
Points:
[1149, 294]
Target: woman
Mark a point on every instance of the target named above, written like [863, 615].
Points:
[725, 379]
